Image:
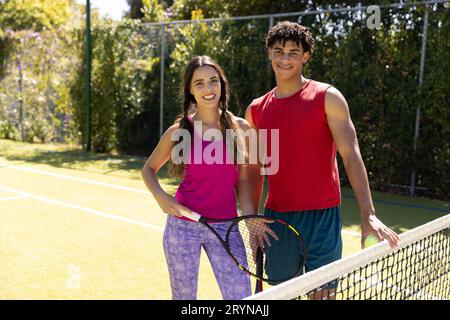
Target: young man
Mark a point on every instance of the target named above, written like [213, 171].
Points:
[314, 122]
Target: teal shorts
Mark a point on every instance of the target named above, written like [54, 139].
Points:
[321, 231]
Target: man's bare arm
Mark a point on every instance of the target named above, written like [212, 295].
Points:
[253, 171]
[344, 134]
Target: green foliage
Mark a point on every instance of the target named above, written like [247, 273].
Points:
[122, 65]
[8, 130]
[5, 48]
[33, 14]
[30, 89]
[152, 10]
[433, 160]
[182, 9]
[136, 7]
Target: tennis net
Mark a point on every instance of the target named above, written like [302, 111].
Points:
[417, 269]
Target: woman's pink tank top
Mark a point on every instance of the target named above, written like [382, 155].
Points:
[209, 189]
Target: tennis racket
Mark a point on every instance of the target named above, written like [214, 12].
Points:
[257, 244]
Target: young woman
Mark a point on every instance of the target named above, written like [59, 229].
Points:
[207, 187]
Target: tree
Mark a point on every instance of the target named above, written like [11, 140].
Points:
[136, 7]
[33, 14]
[215, 8]
[153, 11]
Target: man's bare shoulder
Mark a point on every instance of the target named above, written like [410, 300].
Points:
[242, 123]
[335, 103]
[334, 95]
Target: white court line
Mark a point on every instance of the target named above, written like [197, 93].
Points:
[88, 181]
[86, 210]
[12, 198]
[114, 186]
[23, 194]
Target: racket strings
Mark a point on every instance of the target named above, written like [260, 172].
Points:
[272, 239]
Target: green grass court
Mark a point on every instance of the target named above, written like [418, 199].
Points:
[79, 226]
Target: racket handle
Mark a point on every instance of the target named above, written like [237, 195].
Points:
[191, 215]
[259, 270]
[259, 286]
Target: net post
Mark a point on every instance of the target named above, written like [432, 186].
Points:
[88, 77]
[417, 124]
[269, 65]
[161, 89]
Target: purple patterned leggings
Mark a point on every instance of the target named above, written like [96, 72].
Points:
[182, 242]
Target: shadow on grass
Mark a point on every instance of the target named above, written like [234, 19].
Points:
[400, 213]
[100, 163]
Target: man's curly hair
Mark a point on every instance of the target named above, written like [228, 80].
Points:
[285, 30]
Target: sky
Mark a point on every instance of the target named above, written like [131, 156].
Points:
[113, 8]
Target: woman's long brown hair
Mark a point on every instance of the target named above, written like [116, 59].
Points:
[189, 104]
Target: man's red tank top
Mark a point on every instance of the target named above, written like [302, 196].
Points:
[308, 176]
